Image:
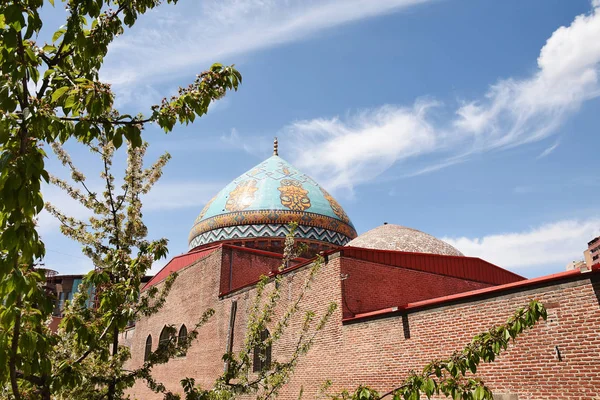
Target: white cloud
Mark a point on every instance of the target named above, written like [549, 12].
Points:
[548, 150]
[349, 152]
[255, 145]
[346, 152]
[171, 40]
[521, 111]
[163, 196]
[554, 244]
[169, 196]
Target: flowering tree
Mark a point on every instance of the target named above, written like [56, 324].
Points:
[88, 361]
[50, 92]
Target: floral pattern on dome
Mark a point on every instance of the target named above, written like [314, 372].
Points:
[205, 209]
[273, 193]
[242, 196]
[335, 206]
[293, 195]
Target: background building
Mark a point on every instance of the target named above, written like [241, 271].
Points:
[592, 254]
[576, 265]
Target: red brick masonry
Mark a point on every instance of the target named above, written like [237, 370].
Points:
[392, 318]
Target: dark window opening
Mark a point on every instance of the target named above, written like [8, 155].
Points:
[262, 353]
[148, 349]
[182, 338]
[165, 337]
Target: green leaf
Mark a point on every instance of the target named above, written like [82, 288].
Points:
[58, 93]
[118, 140]
[479, 393]
[35, 74]
[429, 387]
[71, 99]
[58, 34]
[31, 55]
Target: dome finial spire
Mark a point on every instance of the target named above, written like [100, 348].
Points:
[275, 147]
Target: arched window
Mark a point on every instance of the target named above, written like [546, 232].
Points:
[165, 336]
[148, 349]
[181, 338]
[262, 353]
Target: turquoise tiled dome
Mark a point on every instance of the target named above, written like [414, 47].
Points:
[263, 201]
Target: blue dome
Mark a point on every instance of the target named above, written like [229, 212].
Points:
[263, 201]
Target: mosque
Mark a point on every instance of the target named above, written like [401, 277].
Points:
[404, 298]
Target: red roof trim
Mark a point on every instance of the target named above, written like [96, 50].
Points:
[375, 313]
[170, 267]
[438, 301]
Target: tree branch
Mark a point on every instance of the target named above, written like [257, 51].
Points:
[14, 347]
[123, 199]
[107, 121]
[102, 335]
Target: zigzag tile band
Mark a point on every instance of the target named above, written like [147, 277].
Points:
[272, 218]
[268, 230]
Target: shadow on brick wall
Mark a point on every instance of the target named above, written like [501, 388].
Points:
[406, 326]
[596, 285]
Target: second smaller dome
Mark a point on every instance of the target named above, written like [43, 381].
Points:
[401, 238]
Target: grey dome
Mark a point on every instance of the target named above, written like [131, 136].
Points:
[401, 238]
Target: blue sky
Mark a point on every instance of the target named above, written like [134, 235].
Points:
[473, 121]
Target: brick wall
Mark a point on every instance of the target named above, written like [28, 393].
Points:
[380, 352]
[194, 291]
[243, 268]
[530, 368]
[197, 289]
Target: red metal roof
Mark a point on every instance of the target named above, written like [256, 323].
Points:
[179, 262]
[595, 269]
[471, 268]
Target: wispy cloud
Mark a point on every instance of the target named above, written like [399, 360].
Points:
[165, 43]
[344, 153]
[348, 151]
[554, 244]
[170, 196]
[254, 145]
[521, 111]
[548, 150]
[163, 196]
